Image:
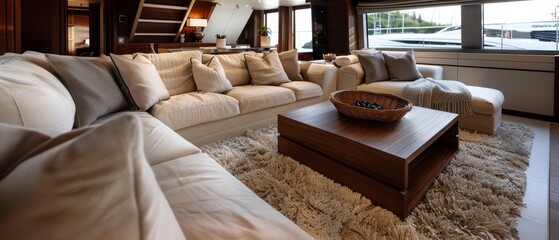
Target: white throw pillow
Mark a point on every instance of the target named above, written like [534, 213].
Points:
[345, 60]
[141, 79]
[31, 96]
[266, 70]
[210, 77]
[91, 183]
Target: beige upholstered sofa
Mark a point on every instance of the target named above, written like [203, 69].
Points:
[75, 163]
[486, 102]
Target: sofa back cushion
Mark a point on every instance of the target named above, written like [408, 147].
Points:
[91, 83]
[39, 59]
[91, 183]
[31, 96]
[234, 65]
[175, 70]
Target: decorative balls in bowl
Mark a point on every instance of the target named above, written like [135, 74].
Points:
[370, 106]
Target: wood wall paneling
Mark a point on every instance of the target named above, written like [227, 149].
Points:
[4, 44]
[284, 28]
[9, 26]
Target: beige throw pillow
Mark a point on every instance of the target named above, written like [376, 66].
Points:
[266, 70]
[290, 63]
[141, 80]
[374, 66]
[91, 183]
[402, 68]
[210, 77]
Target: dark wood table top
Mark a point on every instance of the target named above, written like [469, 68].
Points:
[405, 138]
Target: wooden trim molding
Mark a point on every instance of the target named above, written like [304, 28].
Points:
[556, 91]
[553, 182]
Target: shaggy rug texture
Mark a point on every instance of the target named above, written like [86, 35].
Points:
[477, 196]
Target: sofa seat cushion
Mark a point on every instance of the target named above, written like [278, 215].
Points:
[175, 70]
[31, 96]
[210, 203]
[234, 65]
[189, 109]
[254, 98]
[304, 89]
[91, 183]
[485, 101]
[161, 143]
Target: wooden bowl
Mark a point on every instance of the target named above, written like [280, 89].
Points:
[394, 107]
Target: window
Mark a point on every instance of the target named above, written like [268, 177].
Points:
[272, 22]
[514, 25]
[302, 29]
[510, 26]
[437, 27]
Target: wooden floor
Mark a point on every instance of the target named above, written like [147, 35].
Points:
[533, 223]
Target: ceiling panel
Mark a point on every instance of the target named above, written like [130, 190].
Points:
[260, 4]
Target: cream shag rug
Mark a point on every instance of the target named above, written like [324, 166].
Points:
[477, 196]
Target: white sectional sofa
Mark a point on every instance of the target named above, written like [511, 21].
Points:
[75, 163]
[486, 102]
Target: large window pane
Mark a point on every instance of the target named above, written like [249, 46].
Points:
[303, 30]
[524, 25]
[437, 27]
[272, 22]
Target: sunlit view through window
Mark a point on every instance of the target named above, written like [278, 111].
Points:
[518, 25]
[303, 30]
[415, 28]
[272, 22]
[524, 25]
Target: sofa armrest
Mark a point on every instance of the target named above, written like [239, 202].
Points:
[350, 76]
[323, 75]
[432, 71]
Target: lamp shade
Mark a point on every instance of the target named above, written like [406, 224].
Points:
[195, 22]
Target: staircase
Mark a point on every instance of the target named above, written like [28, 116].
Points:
[159, 21]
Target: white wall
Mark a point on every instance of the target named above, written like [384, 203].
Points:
[527, 81]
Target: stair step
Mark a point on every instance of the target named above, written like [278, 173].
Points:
[152, 5]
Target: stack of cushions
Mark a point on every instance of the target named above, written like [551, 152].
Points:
[65, 188]
[379, 66]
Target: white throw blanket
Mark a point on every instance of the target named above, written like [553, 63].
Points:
[444, 95]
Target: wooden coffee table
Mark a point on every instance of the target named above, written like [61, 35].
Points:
[393, 164]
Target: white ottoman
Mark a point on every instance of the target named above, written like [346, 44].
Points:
[487, 104]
